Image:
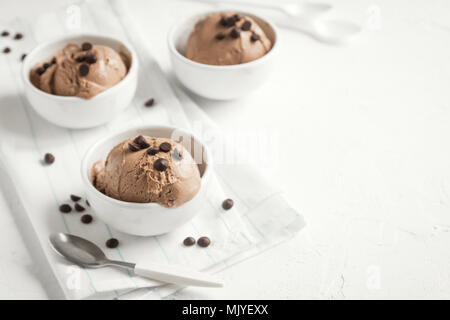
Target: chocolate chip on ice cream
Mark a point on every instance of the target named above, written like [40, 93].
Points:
[238, 46]
[142, 176]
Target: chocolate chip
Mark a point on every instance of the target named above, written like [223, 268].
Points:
[220, 36]
[40, 71]
[7, 50]
[177, 155]
[235, 33]
[230, 22]
[88, 204]
[23, 56]
[140, 141]
[112, 243]
[227, 204]
[189, 241]
[80, 58]
[65, 208]
[86, 46]
[86, 218]
[133, 147]
[75, 198]
[46, 65]
[223, 22]
[5, 33]
[204, 242]
[236, 17]
[79, 207]
[150, 102]
[246, 25]
[83, 69]
[255, 37]
[53, 60]
[90, 58]
[18, 36]
[161, 164]
[49, 158]
[165, 147]
[152, 152]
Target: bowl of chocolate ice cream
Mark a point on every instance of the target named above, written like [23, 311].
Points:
[223, 55]
[80, 81]
[147, 181]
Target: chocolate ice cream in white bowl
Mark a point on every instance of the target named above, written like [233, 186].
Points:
[223, 55]
[147, 181]
[80, 81]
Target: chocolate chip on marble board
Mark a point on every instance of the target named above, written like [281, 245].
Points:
[5, 33]
[204, 242]
[18, 36]
[49, 158]
[189, 241]
[246, 25]
[7, 50]
[112, 243]
[23, 56]
[75, 198]
[87, 203]
[65, 208]
[86, 218]
[227, 204]
[161, 164]
[149, 102]
[83, 69]
[165, 147]
[79, 207]
[86, 46]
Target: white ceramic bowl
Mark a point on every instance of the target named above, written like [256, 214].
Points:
[75, 112]
[219, 82]
[146, 219]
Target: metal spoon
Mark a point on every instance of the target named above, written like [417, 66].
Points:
[85, 253]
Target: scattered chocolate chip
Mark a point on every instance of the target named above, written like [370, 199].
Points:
[46, 65]
[18, 36]
[189, 241]
[230, 22]
[246, 25]
[235, 33]
[23, 56]
[255, 37]
[79, 207]
[86, 46]
[223, 22]
[5, 33]
[165, 147]
[227, 204]
[150, 102]
[161, 164]
[90, 58]
[177, 155]
[49, 158]
[236, 17]
[133, 147]
[40, 71]
[204, 242]
[87, 203]
[220, 36]
[7, 50]
[75, 198]
[65, 208]
[53, 60]
[83, 69]
[86, 218]
[112, 243]
[140, 141]
[80, 58]
[152, 152]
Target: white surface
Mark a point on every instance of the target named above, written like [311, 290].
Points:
[363, 135]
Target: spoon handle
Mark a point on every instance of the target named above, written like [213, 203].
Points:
[177, 275]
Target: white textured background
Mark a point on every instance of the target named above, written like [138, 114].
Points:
[364, 153]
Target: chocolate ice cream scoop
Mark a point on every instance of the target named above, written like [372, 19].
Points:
[147, 169]
[82, 71]
[227, 38]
